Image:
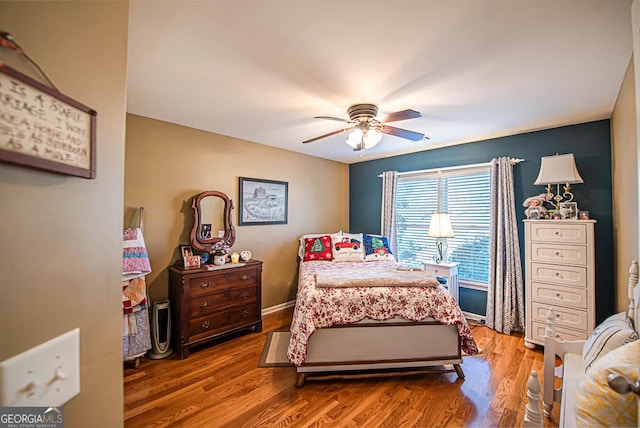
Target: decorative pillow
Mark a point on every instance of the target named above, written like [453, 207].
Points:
[376, 248]
[612, 333]
[347, 247]
[301, 247]
[318, 248]
[596, 404]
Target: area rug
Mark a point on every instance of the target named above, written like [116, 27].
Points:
[274, 353]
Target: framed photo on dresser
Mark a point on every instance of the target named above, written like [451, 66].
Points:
[569, 210]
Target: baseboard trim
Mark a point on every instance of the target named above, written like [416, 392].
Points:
[280, 307]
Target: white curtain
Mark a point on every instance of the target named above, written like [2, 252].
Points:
[505, 299]
[388, 213]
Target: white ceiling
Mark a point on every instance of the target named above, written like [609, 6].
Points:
[260, 70]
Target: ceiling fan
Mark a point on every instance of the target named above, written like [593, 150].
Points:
[367, 130]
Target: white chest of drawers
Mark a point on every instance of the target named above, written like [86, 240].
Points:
[560, 274]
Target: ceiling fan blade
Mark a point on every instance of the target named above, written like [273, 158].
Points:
[402, 115]
[332, 118]
[326, 135]
[402, 133]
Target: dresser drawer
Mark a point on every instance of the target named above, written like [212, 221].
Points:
[555, 253]
[216, 281]
[563, 296]
[211, 302]
[561, 333]
[563, 275]
[222, 320]
[556, 231]
[565, 317]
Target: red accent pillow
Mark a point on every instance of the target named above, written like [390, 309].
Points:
[318, 249]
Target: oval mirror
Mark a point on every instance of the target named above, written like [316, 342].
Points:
[212, 217]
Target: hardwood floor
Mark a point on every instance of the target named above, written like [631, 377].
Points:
[221, 386]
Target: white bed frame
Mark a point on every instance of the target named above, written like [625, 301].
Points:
[382, 346]
[556, 347]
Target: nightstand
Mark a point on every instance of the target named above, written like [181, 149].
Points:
[448, 270]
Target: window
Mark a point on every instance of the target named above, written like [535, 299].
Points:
[464, 194]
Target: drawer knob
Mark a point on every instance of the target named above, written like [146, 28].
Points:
[558, 254]
[245, 314]
[204, 305]
[227, 313]
[205, 285]
[206, 324]
[558, 295]
[558, 233]
[227, 293]
[558, 275]
[557, 336]
[244, 277]
[557, 315]
[244, 295]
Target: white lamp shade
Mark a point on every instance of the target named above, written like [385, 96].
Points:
[371, 138]
[558, 169]
[440, 226]
[355, 138]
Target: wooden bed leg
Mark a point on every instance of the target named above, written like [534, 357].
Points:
[459, 371]
[532, 413]
[301, 378]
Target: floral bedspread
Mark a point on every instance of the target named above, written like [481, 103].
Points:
[318, 307]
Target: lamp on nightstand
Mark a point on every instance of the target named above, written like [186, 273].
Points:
[440, 227]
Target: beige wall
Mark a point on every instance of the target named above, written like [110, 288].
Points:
[625, 184]
[61, 235]
[167, 164]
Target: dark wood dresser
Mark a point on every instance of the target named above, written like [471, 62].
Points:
[206, 305]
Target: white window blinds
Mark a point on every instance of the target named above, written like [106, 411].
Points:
[461, 192]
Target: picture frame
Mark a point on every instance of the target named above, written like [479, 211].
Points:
[583, 215]
[47, 130]
[262, 201]
[192, 262]
[569, 210]
[533, 213]
[186, 251]
[205, 231]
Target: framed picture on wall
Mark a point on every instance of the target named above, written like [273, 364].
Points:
[262, 201]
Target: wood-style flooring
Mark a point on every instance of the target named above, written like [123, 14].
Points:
[220, 385]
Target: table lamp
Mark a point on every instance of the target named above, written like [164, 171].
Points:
[440, 227]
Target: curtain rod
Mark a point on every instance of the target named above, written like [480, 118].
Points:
[451, 168]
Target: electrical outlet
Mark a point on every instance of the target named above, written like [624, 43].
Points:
[46, 375]
[221, 234]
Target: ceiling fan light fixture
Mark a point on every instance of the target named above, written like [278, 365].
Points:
[355, 138]
[371, 138]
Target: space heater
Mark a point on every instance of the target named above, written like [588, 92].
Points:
[160, 330]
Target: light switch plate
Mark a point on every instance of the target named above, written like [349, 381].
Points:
[46, 375]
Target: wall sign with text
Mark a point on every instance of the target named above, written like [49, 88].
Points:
[43, 128]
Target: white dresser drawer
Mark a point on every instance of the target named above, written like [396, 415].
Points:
[563, 296]
[561, 333]
[557, 232]
[565, 317]
[555, 253]
[562, 275]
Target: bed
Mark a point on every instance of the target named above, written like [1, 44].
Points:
[355, 327]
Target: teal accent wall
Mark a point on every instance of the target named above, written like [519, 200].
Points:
[589, 142]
